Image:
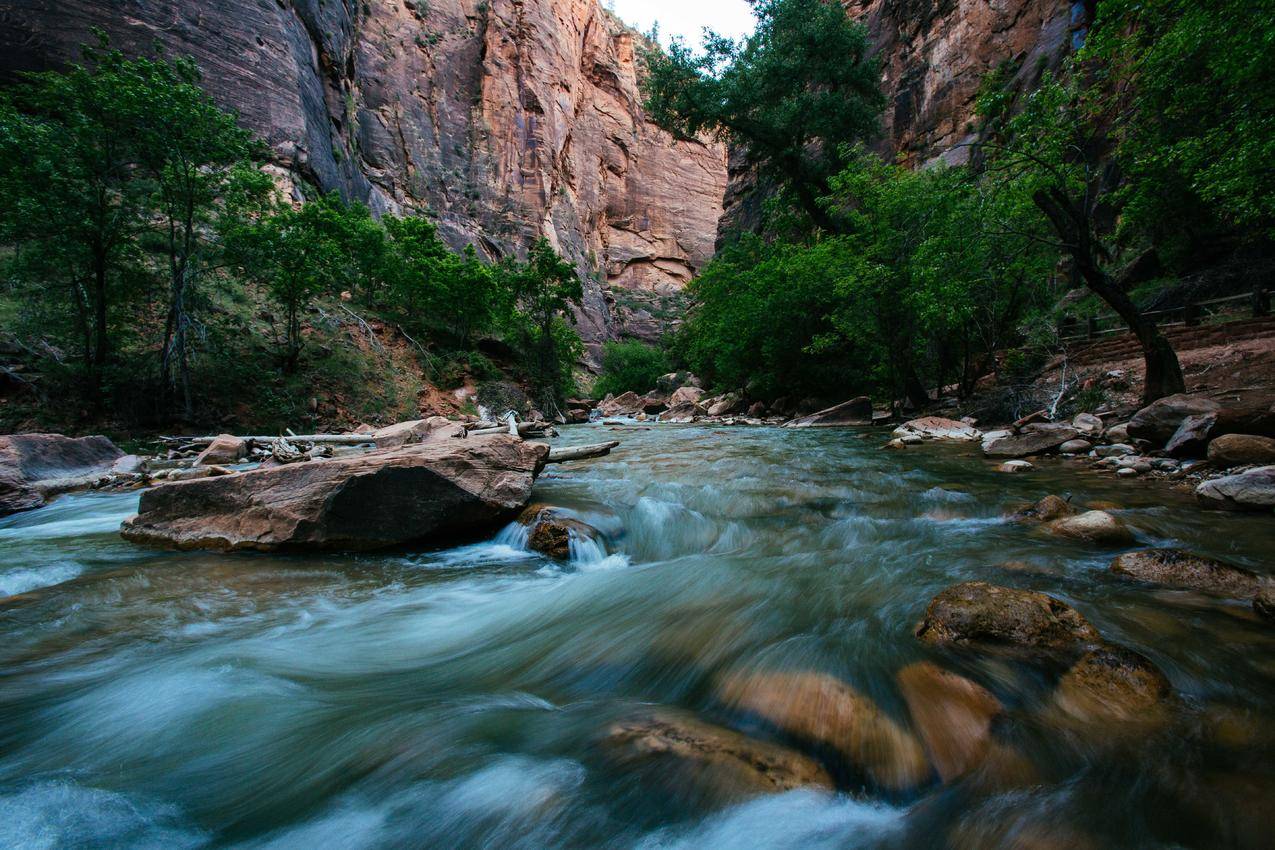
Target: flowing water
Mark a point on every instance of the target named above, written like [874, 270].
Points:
[458, 698]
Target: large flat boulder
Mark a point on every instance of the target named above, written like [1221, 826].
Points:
[1032, 440]
[36, 467]
[939, 428]
[1253, 490]
[856, 411]
[383, 498]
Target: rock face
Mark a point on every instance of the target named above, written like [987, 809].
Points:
[1253, 490]
[712, 759]
[35, 467]
[821, 711]
[1034, 440]
[856, 411]
[981, 613]
[370, 501]
[1176, 568]
[509, 119]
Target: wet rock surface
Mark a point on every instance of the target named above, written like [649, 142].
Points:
[1253, 490]
[938, 428]
[551, 531]
[1186, 570]
[36, 467]
[1097, 527]
[1112, 684]
[952, 714]
[1033, 440]
[370, 501]
[976, 612]
[856, 411]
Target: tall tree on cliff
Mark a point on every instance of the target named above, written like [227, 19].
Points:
[791, 96]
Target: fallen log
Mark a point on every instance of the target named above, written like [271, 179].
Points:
[326, 439]
[566, 453]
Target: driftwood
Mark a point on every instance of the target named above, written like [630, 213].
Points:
[563, 454]
[327, 439]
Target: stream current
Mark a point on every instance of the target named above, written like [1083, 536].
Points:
[458, 698]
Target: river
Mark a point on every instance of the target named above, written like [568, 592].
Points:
[457, 699]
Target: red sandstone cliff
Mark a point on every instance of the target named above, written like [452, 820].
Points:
[509, 119]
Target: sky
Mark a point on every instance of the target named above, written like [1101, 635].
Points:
[686, 18]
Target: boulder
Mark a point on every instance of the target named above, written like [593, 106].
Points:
[1192, 437]
[36, 467]
[726, 405]
[856, 411]
[975, 612]
[1032, 440]
[654, 402]
[1076, 447]
[1047, 509]
[952, 714]
[686, 395]
[710, 759]
[1013, 467]
[1115, 450]
[1158, 421]
[551, 531]
[1176, 568]
[938, 428]
[225, 448]
[1097, 527]
[128, 465]
[1113, 685]
[824, 712]
[674, 380]
[757, 410]
[685, 412]
[413, 431]
[1253, 490]
[1088, 425]
[428, 491]
[625, 404]
[1241, 450]
[1117, 433]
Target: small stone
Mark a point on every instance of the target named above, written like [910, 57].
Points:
[1015, 466]
[911, 439]
[975, 612]
[1075, 447]
[1128, 472]
[1116, 450]
[1087, 424]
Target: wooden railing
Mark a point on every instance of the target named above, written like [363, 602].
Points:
[1257, 303]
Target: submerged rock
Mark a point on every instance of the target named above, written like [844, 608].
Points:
[550, 532]
[369, 501]
[1247, 491]
[1264, 603]
[975, 612]
[1047, 509]
[712, 759]
[821, 711]
[1097, 527]
[1178, 568]
[938, 428]
[856, 411]
[1113, 685]
[36, 467]
[952, 714]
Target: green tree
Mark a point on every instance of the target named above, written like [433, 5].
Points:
[73, 203]
[790, 96]
[543, 290]
[630, 366]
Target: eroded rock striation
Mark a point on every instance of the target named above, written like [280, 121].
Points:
[508, 119]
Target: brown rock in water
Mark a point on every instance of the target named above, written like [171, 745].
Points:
[1097, 527]
[1033, 440]
[856, 411]
[225, 448]
[1047, 509]
[711, 758]
[952, 714]
[550, 531]
[625, 404]
[975, 612]
[1000, 830]
[36, 467]
[1178, 568]
[1113, 685]
[369, 501]
[1240, 450]
[819, 710]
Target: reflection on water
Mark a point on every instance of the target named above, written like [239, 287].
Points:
[458, 698]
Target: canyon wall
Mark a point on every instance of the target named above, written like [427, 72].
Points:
[934, 55]
[507, 119]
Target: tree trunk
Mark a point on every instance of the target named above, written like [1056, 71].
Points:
[914, 389]
[1164, 372]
